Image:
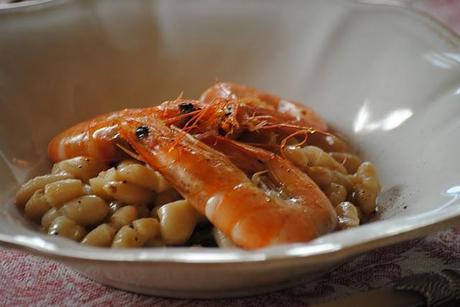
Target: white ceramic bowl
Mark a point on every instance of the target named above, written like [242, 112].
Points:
[386, 76]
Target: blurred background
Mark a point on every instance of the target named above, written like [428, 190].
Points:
[447, 11]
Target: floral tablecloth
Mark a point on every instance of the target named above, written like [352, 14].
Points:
[26, 279]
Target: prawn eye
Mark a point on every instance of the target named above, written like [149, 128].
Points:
[186, 108]
[142, 131]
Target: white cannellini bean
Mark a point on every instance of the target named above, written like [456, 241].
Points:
[101, 236]
[308, 156]
[161, 184]
[128, 162]
[322, 176]
[86, 210]
[143, 176]
[126, 237]
[39, 182]
[62, 191]
[49, 217]
[350, 161]
[329, 143]
[97, 183]
[177, 222]
[37, 205]
[336, 193]
[97, 186]
[147, 228]
[65, 227]
[366, 188]
[158, 182]
[109, 175]
[128, 193]
[347, 215]
[82, 168]
[123, 216]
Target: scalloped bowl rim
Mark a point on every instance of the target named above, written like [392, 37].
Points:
[315, 251]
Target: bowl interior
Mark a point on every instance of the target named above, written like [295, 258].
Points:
[385, 77]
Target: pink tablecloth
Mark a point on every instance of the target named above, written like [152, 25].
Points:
[26, 279]
[29, 280]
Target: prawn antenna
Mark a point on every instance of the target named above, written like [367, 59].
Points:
[305, 133]
[181, 95]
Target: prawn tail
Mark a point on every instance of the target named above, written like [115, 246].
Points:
[295, 182]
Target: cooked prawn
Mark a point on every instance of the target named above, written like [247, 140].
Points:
[217, 188]
[98, 137]
[232, 91]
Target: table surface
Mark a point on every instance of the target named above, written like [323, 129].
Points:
[26, 279]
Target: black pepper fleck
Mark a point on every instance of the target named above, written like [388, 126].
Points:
[142, 132]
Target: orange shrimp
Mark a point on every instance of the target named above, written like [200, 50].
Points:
[249, 216]
[98, 137]
[94, 138]
[303, 114]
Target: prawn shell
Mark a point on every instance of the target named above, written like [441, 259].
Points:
[228, 90]
[221, 191]
[98, 137]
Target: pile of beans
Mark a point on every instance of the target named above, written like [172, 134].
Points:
[132, 205]
[351, 185]
[129, 205]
